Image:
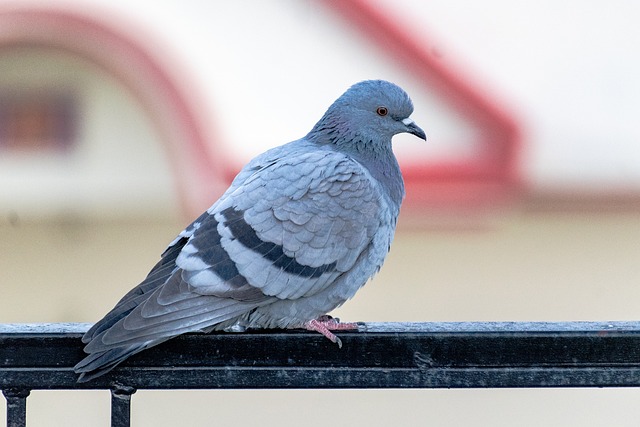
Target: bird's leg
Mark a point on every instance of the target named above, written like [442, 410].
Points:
[326, 324]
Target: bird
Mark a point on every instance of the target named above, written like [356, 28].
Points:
[300, 229]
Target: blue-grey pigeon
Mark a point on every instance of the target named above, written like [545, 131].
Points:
[301, 228]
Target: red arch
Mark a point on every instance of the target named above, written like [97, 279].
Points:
[125, 57]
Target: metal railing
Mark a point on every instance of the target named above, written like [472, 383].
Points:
[380, 355]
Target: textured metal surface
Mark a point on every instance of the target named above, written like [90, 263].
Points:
[381, 355]
[16, 406]
[121, 405]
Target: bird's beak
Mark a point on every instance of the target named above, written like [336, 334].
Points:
[414, 129]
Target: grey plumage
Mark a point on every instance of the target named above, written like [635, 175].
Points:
[301, 228]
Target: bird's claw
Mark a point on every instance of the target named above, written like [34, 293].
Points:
[325, 324]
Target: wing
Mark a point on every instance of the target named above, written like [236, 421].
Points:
[287, 228]
[290, 230]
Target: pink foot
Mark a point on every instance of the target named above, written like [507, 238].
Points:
[326, 324]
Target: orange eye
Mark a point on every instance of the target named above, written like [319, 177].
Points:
[382, 111]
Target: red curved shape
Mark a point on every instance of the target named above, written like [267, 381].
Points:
[130, 62]
[490, 176]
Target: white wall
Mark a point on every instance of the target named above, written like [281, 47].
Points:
[268, 69]
[260, 73]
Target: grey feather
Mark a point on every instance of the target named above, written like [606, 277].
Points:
[301, 228]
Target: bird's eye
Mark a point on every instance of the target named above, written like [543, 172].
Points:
[382, 111]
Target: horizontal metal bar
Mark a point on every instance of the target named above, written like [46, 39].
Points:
[379, 355]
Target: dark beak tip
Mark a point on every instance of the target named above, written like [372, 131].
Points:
[417, 131]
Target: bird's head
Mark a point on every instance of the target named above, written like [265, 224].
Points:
[369, 113]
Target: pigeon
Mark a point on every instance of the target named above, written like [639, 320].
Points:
[301, 228]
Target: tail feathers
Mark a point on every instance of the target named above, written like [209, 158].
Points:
[97, 364]
[104, 357]
[114, 316]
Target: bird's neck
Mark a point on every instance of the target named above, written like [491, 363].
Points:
[383, 167]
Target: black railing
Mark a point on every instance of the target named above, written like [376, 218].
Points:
[380, 355]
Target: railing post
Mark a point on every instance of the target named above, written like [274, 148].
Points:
[121, 405]
[16, 406]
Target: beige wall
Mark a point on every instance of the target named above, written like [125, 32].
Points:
[545, 266]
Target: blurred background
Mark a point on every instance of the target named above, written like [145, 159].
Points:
[120, 121]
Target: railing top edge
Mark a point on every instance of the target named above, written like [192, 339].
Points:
[44, 328]
[520, 326]
[384, 327]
